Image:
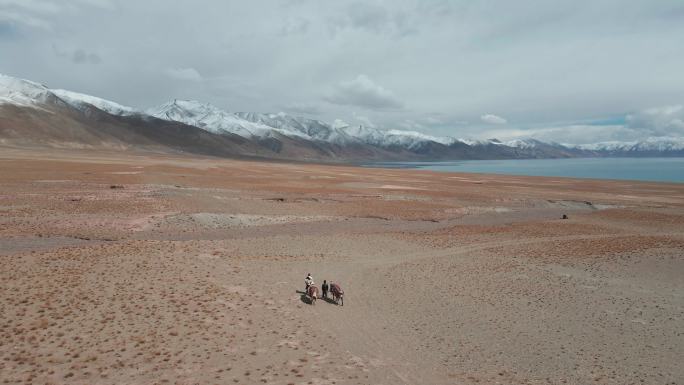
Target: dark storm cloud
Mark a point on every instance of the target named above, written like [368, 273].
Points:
[544, 68]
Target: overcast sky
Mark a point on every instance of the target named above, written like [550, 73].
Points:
[570, 71]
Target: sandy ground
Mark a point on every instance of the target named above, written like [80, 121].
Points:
[157, 270]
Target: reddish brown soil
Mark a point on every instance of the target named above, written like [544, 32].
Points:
[142, 269]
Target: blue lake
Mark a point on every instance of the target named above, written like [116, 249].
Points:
[646, 169]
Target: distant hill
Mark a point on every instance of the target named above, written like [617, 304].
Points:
[660, 146]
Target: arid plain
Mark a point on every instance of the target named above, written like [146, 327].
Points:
[156, 269]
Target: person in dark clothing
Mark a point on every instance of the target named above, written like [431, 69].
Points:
[325, 289]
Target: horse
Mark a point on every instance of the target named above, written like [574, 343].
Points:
[337, 293]
[312, 292]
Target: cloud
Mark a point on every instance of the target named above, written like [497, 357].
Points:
[42, 14]
[105, 4]
[580, 134]
[295, 26]
[81, 56]
[7, 29]
[34, 6]
[189, 74]
[411, 125]
[363, 92]
[373, 18]
[78, 56]
[364, 120]
[303, 108]
[22, 19]
[493, 119]
[433, 120]
[659, 121]
[663, 121]
[268, 55]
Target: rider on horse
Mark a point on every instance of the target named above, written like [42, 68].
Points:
[308, 281]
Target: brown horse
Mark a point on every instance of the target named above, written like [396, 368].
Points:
[312, 292]
[337, 293]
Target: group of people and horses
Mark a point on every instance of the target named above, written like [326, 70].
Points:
[334, 289]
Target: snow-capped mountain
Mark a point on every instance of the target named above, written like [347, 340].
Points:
[521, 143]
[205, 128]
[22, 92]
[606, 146]
[255, 124]
[307, 128]
[476, 142]
[653, 144]
[365, 134]
[81, 101]
[208, 117]
[515, 143]
[33, 115]
[245, 124]
[389, 138]
[660, 144]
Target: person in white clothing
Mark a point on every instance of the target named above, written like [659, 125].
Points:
[308, 281]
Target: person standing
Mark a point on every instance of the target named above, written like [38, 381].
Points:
[325, 289]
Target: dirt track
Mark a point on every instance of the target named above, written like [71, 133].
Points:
[144, 269]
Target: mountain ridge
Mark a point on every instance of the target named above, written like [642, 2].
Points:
[269, 135]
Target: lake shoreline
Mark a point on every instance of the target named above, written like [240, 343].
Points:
[661, 169]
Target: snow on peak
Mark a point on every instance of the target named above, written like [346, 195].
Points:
[474, 142]
[208, 117]
[80, 101]
[339, 124]
[661, 143]
[420, 137]
[389, 138]
[26, 93]
[184, 110]
[520, 143]
[654, 143]
[289, 125]
[606, 146]
[22, 92]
